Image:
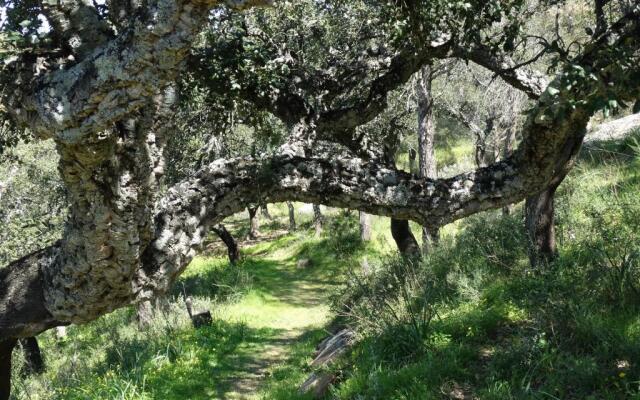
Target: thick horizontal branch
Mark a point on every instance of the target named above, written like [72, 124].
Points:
[136, 254]
[227, 186]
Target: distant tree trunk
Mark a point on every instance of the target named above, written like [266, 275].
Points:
[254, 223]
[539, 222]
[144, 314]
[318, 219]
[509, 141]
[264, 207]
[485, 151]
[292, 217]
[227, 238]
[365, 226]
[34, 364]
[400, 229]
[406, 242]
[6, 348]
[412, 161]
[426, 143]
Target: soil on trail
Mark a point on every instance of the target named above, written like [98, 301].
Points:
[284, 302]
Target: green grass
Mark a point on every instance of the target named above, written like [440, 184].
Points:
[268, 314]
[503, 331]
[499, 329]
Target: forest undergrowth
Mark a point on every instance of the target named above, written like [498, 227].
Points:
[471, 320]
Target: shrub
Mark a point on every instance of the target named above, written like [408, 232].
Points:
[343, 234]
[612, 251]
[395, 304]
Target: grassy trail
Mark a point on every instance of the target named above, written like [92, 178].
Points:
[268, 316]
[283, 303]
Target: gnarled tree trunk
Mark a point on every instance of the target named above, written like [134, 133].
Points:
[120, 245]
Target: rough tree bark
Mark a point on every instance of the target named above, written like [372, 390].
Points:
[186, 212]
[539, 224]
[254, 223]
[365, 226]
[427, 165]
[122, 245]
[144, 314]
[292, 217]
[227, 238]
[318, 219]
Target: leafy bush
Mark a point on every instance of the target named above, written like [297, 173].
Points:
[612, 251]
[343, 234]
